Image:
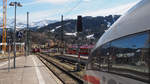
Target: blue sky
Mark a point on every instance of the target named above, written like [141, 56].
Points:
[53, 9]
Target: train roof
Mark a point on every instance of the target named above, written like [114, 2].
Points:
[137, 19]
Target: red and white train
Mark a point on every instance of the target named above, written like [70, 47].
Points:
[35, 50]
[84, 50]
[122, 54]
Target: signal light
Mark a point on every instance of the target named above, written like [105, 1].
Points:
[79, 24]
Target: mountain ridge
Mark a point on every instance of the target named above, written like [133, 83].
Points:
[91, 25]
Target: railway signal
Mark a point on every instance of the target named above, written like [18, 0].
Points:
[79, 24]
[79, 30]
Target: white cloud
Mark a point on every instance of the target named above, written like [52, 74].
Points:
[48, 1]
[31, 3]
[40, 15]
[55, 1]
[86, 0]
[36, 16]
[52, 1]
[116, 10]
[104, 12]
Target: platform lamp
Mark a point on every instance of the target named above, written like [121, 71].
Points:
[15, 4]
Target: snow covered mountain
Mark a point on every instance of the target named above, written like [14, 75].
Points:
[42, 23]
[36, 25]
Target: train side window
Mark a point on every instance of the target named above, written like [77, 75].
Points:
[127, 56]
[104, 57]
[99, 58]
[94, 60]
[130, 55]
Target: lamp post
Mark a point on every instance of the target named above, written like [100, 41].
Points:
[26, 39]
[15, 4]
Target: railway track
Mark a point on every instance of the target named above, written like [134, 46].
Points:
[62, 71]
[69, 59]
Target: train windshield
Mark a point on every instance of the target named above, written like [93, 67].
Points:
[127, 56]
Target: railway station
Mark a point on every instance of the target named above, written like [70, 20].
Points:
[74, 42]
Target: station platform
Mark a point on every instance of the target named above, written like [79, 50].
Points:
[29, 70]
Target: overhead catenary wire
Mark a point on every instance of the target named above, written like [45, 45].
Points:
[74, 7]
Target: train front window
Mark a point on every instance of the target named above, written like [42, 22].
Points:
[130, 55]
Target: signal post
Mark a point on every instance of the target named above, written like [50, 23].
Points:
[79, 29]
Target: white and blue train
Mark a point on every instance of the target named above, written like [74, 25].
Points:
[122, 54]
